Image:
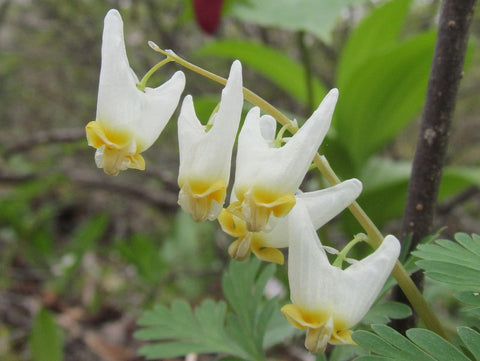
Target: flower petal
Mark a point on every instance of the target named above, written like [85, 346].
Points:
[327, 203]
[157, 107]
[362, 281]
[322, 206]
[208, 155]
[312, 279]
[118, 103]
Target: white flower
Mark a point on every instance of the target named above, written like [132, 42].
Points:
[206, 151]
[267, 178]
[328, 301]
[321, 205]
[128, 120]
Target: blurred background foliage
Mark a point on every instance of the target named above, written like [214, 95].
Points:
[95, 250]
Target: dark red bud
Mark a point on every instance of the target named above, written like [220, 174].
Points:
[207, 14]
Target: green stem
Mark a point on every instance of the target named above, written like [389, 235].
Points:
[342, 256]
[143, 83]
[375, 238]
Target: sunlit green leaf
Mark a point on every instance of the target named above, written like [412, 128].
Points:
[378, 31]
[315, 16]
[382, 96]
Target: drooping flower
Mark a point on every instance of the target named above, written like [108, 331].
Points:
[206, 151]
[321, 205]
[128, 120]
[326, 300]
[266, 177]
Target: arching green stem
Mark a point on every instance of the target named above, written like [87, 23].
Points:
[374, 236]
[143, 83]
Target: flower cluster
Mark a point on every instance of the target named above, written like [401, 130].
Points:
[267, 210]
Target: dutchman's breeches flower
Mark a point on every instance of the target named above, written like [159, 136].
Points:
[326, 300]
[321, 205]
[206, 151]
[266, 177]
[128, 120]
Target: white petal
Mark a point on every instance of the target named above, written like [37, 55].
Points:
[268, 127]
[210, 152]
[157, 107]
[299, 151]
[254, 152]
[325, 204]
[362, 281]
[322, 206]
[311, 277]
[118, 102]
[280, 168]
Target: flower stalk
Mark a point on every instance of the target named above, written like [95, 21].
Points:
[374, 236]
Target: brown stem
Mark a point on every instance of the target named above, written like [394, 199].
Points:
[445, 75]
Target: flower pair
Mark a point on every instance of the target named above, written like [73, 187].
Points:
[266, 178]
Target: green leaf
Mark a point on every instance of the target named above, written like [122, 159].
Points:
[471, 339]
[389, 344]
[432, 343]
[242, 331]
[182, 331]
[375, 34]
[469, 297]
[46, 342]
[456, 179]
[451, 262]
[243, 290]
[315, 16]
[382, 96]
[384, 312]
[280, 69]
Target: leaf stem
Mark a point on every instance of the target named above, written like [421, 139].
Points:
[375, 238]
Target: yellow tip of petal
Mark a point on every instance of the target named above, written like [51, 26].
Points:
[231, 224]
[258, 205]
[267, 254]
[202, 199]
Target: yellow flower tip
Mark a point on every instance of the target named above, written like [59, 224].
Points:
[321, 328]
[265, 253]
[258, 205]
[202, 199]
[342, 337]
[99, 135]
[240, 249]
[302, 319]
[116, 149]
[231, 224]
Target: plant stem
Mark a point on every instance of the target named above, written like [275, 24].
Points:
[445, 75]
[375, 238]
[143, 83]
